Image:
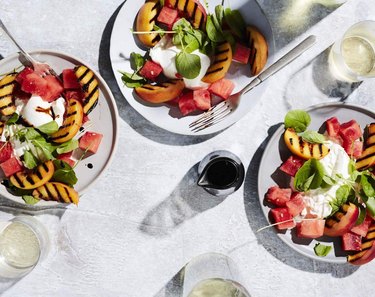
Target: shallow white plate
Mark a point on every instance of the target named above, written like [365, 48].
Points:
[163, 115]
[276, 152]
[103, 118]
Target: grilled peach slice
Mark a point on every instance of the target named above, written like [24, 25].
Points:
[367, 159]
[72, 122]
[259, 49]
[367, 252]
[145, 22]
[90, 87]
[161, 92]
[342, 221]
[303, 149]
[7, 84]
[192, 9]
[221, 63]
[28, 180]
[56, 191]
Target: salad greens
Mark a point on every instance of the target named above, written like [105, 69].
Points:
[322, 250]
[297, 119]
[309, 176]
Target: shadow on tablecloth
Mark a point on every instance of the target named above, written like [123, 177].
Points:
[271, 242]
[185, 202]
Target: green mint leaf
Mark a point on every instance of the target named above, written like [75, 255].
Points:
[309, 176]
[29, 160]
[297, 119]
[132, 80]
[49, 128]
[322, 250]
[13, 119]
[31, 200]
[136, 61]
[215, 34]
[312, 136]
[64, 173]
[342, 194]
[188, 65]
[235, 21]
[67, 147]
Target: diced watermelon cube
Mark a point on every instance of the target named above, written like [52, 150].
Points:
[90, 141]
[332, 126]
[362, 229]
[76, 94]
[6, 151]
[281, 214]
[296, 204]
[151, 70]
[350, 131]
[291, 165]
[85, 119]
[70, 80]
[186, 103]
[34, 84]
[66, 157]
[351, 242]
[278, 196]
[353, 148]
[21, 76]
[202, 99]
[222, 88]
[54, 88]
[311, 228]
[11, 166]
[241, 53]
[167, 16]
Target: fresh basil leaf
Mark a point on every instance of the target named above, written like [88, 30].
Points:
[13, 119]
[188, 65]
[29, 160]
[362, 214]
[367, 187]
[191, 42]
[370, 203]
[64, 173]
[136, 61]
[219, 13]
[328, 180]
[161, 31]
[309, 176]
[322, 250]
[67, 147]
[342, 194]
[312, 136]
[235, 21]
[31, 134]
[132, 80]
[31, 200]
[49, 128]
[213, 33]
[230, 38]
[297, 119]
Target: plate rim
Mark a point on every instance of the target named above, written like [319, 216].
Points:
[275, 136]
[113, 107]
[219, 128]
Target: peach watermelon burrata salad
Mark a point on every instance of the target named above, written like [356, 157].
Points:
[332, 188]
[43, 122]
[189, 53]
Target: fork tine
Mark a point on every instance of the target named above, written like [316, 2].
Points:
[212, 121]
[209, 113]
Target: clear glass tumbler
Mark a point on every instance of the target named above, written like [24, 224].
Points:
[352, 58]
[24, 241]
[213, 275]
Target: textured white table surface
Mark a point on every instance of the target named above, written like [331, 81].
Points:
[144, 219]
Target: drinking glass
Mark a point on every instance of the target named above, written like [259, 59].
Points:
[352, 58]
[213, 274]
[24, 242]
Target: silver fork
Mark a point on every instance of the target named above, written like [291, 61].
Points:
[42, 69]
[218, 112]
